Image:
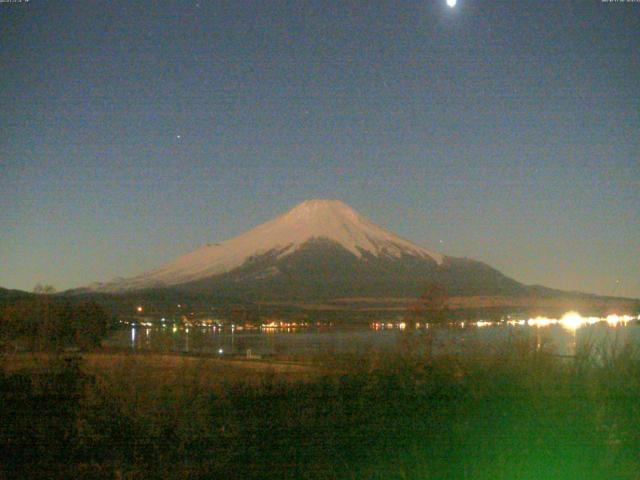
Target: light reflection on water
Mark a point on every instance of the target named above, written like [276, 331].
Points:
[565, 335]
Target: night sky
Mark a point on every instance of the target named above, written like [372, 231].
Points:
[504, 131]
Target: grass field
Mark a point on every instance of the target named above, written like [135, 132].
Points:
[515, 412]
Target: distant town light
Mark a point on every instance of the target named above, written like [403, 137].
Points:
[139, 309]
[615, 320]
[572, 321]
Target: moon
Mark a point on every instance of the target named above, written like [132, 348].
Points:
[451, 3]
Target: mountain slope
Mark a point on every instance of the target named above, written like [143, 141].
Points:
[322, 249]
[322, 269]
[329, 220]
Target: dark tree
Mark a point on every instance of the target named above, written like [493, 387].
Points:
[432, 305]
[47, 323]
[91, 323]
[44, 289]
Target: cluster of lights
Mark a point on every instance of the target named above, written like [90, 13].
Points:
[573, 321]
[275, 325]
[570, 321]
[388, 325]
[615, 320]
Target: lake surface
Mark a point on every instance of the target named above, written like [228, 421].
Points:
[565, 337]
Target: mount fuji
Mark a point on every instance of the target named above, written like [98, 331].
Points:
[319, 249]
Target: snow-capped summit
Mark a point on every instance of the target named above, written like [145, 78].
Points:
[337, 221]
[311, 220]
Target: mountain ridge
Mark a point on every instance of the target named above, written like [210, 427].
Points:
[313, 219]
[321, 250]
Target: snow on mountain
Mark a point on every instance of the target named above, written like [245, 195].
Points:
[313, 219]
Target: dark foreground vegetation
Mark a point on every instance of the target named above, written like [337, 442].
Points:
[47, 323]
[517, 412]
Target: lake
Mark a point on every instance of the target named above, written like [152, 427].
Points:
[564, 335]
